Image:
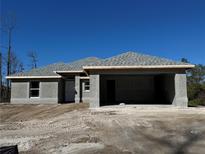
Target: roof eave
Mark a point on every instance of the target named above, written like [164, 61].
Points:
[33, 77]
[67, 72]
[139, 67]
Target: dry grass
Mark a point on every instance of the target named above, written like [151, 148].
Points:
[24, 112]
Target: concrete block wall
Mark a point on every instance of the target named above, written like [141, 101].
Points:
[19, 91]
[51, 90]
[180, 99]
[48, 93]
[94, 90]
[175, 86]
[77, 89]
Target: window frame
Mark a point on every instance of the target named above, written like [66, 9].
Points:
[86, 86]
[30, 89]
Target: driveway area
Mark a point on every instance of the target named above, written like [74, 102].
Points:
[74, 128]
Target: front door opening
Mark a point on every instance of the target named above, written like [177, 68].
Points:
[111, 92]
[69, 91]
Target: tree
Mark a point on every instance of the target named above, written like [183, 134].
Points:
[16, 67]
[0, 77]
[16, 64]
[184, 60]
[34, 59]
[197, 74]
[8, 24]
[196, 84]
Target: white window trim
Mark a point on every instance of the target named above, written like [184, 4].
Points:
[34, 89]
[86, 86]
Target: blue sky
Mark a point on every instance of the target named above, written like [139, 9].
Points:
[66, 30]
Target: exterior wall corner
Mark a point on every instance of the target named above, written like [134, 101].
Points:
[77, 89]
[94, 90]
[180, 99]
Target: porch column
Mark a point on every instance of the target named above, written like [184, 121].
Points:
[94, 90]
[77, 89]
[180, 98]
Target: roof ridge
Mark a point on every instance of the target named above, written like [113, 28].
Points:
[146, 55]
[136, 59]
[83, 59]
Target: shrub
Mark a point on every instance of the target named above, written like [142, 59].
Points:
[193, 90]
[196, 102]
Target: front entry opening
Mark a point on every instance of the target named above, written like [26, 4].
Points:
[152, 89]
[69, 91]
[111, 92]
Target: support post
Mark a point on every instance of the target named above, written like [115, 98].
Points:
[77, 89]
[94, 90]
[180, 99]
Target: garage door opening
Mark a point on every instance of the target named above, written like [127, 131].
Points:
[137, 89]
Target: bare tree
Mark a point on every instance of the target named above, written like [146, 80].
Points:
[8, 25]
[0, 77]
[16, 67]
[16, 64]
[34, 59]
[21, 67]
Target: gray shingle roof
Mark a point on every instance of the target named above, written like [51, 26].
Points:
[125, 59]
[78, 65]
[49, 69]
[43, 71]
[135, 59]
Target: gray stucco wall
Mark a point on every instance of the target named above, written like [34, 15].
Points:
[19, 90]
[48, 91]
[94, 90]
[52, 90]
[180, 98]
[77, 89]
[174, 86]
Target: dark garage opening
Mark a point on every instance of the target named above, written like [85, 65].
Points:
[152, 89]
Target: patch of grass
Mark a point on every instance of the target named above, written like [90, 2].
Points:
[196, 102]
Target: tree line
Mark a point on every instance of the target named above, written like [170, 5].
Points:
[196, 84]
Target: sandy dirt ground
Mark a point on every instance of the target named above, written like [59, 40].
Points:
[76, 129]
